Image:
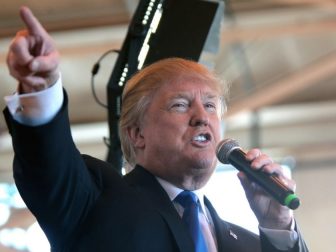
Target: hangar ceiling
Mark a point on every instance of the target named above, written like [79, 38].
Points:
[277, 55]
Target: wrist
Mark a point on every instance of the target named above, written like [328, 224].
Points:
[26, 88]
[279, 224]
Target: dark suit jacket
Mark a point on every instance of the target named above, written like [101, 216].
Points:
[82, 204]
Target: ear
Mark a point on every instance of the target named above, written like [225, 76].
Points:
[135, 134]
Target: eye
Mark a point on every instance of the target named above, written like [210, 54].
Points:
[180, 106]
[211, 107]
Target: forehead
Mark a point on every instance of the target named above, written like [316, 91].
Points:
[188, 88]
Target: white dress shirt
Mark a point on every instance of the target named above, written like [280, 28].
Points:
[37, 108]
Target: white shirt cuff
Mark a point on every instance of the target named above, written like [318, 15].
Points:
[36, 108]
[281, 239]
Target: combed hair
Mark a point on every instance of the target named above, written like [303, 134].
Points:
[140, 89]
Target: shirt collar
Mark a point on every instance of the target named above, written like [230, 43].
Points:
[173, 191]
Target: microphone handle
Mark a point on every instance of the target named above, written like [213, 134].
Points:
[271, 183]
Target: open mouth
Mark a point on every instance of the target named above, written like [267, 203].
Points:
[202, 138]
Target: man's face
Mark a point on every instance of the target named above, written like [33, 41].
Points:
[180, 131]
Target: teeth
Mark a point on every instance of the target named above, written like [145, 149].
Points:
[200, 138]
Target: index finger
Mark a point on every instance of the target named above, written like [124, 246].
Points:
[34, 27]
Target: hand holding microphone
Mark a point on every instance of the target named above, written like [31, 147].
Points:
[264, 184]
[229, 152]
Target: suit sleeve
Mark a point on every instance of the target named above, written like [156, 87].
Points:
[51, 175]
[300, 245]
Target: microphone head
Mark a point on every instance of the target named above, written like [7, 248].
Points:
[224, 148]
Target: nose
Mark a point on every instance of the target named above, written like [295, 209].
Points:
[200, 116]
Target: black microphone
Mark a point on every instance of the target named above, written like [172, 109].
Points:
[229, 152]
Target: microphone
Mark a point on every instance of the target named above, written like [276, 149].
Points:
[229, 152]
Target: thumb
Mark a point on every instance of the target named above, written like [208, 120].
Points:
[47, 63]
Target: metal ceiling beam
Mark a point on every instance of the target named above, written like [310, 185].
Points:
[248, 5]
[239, 34]
[64, 15]
[292, 84]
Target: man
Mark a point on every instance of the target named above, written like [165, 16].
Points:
[170, 127]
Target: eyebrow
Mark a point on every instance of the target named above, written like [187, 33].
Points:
[188, 95]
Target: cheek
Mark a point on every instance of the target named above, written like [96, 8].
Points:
[217, 131]
[155, 126]
[166, 121]
[168, 131]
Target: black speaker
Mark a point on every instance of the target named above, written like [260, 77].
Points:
[182, 31]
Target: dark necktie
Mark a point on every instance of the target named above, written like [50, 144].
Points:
[190, 217]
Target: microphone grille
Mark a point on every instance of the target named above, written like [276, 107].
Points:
[224, 148]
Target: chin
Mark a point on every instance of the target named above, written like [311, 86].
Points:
[203, 169]
[205, 163]
[198, 174]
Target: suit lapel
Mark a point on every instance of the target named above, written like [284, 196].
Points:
[227, 239]
[156, 196]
